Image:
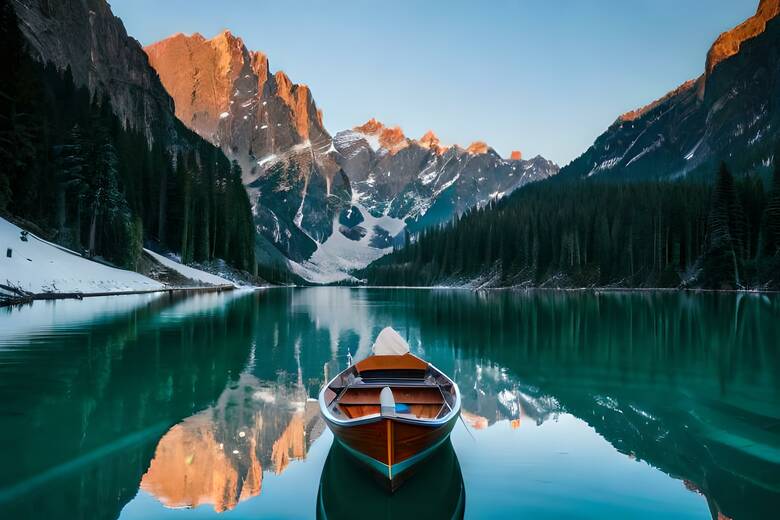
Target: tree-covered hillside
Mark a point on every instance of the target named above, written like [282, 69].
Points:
[560, 233]
[90, 182]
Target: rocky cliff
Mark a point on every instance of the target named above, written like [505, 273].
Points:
[119, 128]
[227, 94]
[729, 43]
[85, 36]
[728, 113]
[270, 126]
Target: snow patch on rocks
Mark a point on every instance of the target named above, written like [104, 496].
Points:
[189, 272]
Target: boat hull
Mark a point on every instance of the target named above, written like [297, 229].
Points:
[391, 446]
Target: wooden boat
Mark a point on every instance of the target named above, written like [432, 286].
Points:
[392, 409]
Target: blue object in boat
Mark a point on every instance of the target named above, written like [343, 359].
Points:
[401, 408]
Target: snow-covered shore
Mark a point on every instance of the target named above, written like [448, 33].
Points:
[37, 266]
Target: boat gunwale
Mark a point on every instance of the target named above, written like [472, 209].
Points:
[376, 417]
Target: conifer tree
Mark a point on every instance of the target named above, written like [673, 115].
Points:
[70, 170]
[724, 234]
[772, 212]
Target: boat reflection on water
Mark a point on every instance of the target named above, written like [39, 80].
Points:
[434, 489]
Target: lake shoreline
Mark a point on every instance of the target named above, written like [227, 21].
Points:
[632, 289]
[48, 296]
[29, 298]
[561, 289]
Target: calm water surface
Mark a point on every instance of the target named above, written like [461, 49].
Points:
[609, 405]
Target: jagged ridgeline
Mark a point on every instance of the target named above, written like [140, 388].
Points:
[559, 233]
[96, 181]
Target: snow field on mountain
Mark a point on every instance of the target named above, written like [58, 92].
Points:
[338, 255]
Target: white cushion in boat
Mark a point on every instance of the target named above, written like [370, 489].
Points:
[387, 402]
[390, 343]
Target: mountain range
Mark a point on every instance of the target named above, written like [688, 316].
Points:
[324, 205]
[422, 181]
[329, 205]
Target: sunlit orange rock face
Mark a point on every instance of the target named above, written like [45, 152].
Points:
[393, 139]
[477, 147]
[198, 74]
[371, 127]
[517, 155]
[729, 42]
[226, 93]
[431, 141]
[298, 99]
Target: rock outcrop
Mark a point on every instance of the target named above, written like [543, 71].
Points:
[477, 147]
[431, 141]
[729, 43]
[635, 114]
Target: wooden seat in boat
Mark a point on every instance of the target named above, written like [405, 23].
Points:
[423, 402]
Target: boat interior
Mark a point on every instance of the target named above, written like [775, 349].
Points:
[416, 390]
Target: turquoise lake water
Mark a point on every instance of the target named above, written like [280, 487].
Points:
[578, 405]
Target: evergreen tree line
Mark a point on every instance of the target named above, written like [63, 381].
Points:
[717, 235]
[69, 166]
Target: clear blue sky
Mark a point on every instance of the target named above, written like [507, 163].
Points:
[543, 77]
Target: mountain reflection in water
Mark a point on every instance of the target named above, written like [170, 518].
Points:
[218, 455]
